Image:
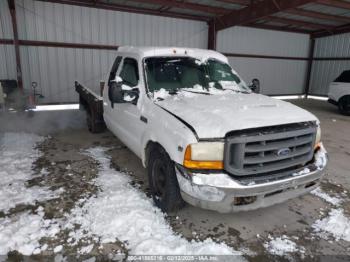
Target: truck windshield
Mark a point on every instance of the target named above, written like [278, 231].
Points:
[184, 73]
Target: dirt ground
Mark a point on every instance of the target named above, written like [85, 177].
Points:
[68, 137]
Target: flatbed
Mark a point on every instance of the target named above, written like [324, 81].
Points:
[92, 103]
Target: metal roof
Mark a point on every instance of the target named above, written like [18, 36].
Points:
[318, 18]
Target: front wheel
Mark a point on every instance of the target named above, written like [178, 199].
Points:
[163, 182]
[344, 105]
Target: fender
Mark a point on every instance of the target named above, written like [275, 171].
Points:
[168, 130]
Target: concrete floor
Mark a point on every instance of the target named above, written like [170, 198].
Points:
[246, 230]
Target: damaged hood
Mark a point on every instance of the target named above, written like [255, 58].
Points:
[212, 116]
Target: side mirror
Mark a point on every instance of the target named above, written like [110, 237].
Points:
[255, 86]
[115, 93]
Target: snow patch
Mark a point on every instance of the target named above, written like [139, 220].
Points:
[17, 154]
[280, 246]
[332, 200]
[122, 212]
[23, 232]
[335, 224]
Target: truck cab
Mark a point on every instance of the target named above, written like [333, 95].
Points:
[203, 135]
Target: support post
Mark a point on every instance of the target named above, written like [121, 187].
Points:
[212, 35]
[309, 66]
[12, 8]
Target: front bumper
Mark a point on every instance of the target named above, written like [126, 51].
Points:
[223, 193]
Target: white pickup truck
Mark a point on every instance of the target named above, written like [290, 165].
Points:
[339, 92]
[203, 136]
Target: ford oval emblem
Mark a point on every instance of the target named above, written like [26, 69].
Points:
[283, 152]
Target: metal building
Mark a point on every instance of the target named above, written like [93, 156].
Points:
[293, 47]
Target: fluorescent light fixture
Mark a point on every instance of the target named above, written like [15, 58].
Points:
[288, 97]
[318, 98]
[56, 107]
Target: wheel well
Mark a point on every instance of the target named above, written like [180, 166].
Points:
[151, 146]
[344, 97]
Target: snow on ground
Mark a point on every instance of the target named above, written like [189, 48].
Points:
[17, 154]
[336, 224]
[321, 194]
[122, 212]
[23, 232]
[281, 246]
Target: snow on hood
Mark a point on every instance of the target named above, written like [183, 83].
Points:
[212, 116]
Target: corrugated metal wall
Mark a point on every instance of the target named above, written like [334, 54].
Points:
[7, 52]
[277, 76]
[324, 72]
[55, 69]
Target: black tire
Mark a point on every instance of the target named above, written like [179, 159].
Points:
[344, 105]
[163, 182]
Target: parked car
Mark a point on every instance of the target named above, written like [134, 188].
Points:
[339, 92]
[203, 135]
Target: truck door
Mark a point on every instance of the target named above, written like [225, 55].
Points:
[107, 107]
[126, 117]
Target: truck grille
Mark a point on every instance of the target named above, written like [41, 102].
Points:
[270, 149]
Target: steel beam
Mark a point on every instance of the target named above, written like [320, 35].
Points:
[237, 2]
[309, 66]
[58, 44]
[130, 9]
[266, 56]
[335, 31]
[318, 15]
[12, 8]
[278, 28]
[256, 11]
[187, 5]
[211, 35]
[335, 3]
[288, 21]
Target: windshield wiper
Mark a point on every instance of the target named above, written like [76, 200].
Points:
[196, 92]
[173, 91]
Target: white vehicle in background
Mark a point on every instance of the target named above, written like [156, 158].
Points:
[339, 92]
[201, 132]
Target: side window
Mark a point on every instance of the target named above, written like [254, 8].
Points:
[130, 72]
[344, 77]
[114, 69]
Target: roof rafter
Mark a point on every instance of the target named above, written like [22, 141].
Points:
[289, 21]
[335, 31]
[257, 11]
[238, 2]
[335, 3]
[279, 28]
[187, 5]
[131, 9]
[318, 15]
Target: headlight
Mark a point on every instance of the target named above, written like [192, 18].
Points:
[204, 155]
[318, 137]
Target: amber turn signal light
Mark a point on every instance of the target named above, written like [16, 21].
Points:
[195, 164]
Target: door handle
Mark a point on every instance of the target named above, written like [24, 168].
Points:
[143, 119]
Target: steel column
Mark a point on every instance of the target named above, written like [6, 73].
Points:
[12, 8]
[309, 66]
[212, 35]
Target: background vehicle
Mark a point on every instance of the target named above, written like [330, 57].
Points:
[339, 92]
[203, 135]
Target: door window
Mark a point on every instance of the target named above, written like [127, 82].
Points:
[344, 77]
[130, 72]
